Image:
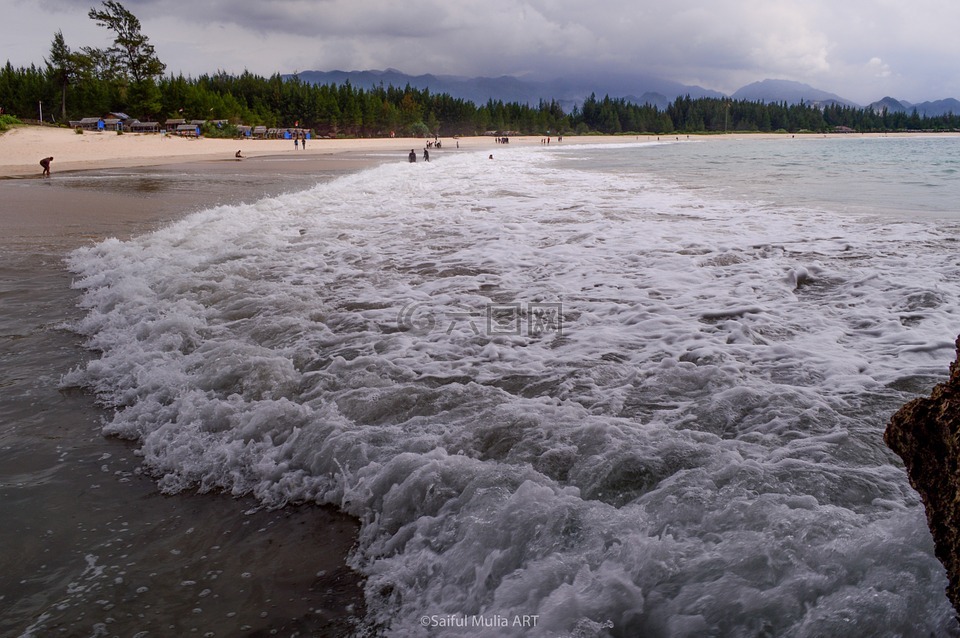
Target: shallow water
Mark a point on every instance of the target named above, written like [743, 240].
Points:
[91, 548]
[583, 391]
[904, 178]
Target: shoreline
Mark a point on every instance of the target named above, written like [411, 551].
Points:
[22, 147]
[300, 551]
[66, 489]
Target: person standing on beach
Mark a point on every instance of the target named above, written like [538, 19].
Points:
[412, 156]
[426, 155]
[45, 163]
[296, 143]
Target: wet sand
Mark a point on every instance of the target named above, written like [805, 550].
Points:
[90, 547]
[22, 147]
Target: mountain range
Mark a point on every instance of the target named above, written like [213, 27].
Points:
[934, 108]
[794, 92]
[568, 92]
[636, 88]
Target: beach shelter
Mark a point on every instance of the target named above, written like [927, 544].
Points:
[88, 123]
[144, 127]
[188, 130]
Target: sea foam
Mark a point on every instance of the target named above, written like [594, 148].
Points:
[593, 399]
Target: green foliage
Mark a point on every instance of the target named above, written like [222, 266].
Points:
[131, 52]
[145, 98]
[66, 67]
[7, 122]
[419, 129]
[227, 131]
[130, 65]
[612, 116]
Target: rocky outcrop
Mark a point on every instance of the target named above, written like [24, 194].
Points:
[926, 435]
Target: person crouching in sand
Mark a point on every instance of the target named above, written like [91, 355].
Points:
[45, 163]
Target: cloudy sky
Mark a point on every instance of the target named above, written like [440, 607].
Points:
[861, 50]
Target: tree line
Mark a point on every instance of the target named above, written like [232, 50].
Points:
[128, 77]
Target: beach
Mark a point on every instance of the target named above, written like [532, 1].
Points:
[63, 483]
[24, 147]
[80, 512]
[698, 450]
[89, 540]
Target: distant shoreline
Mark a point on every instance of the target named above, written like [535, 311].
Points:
[22, 148]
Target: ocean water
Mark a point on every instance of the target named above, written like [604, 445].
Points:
[90, 546]
[629, 390]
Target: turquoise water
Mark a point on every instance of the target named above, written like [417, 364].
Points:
[901, 177]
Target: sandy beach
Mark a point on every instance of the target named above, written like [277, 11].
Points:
[77, 509]
[67, 487]
[22, 148]
[89, 538]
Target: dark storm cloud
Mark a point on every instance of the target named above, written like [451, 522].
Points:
[860, 49]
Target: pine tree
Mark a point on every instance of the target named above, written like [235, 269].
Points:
[132, 60]
[64, 67]
[131, 49]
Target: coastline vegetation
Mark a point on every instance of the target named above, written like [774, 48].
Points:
[7, 122]
[128, 77]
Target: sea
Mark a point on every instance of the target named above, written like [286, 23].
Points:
[578, 390]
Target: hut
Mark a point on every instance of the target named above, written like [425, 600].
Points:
[88, 124]
[260, 132]
[172, 124]
[144, 127]
[188, 130]
[117, 121]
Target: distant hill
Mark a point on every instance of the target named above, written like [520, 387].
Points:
[789, 92]
[572, 91]
[928, 109]
[888, 104]
[937, 107]
[652, 98]
[524, 90]
[478, 90]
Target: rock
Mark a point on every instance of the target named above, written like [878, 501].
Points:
[926, 434]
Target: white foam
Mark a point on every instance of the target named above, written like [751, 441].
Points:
[699, 448]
